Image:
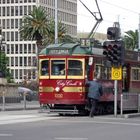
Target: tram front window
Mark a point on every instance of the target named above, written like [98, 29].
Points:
[44, 67]
[75, 67]
[58, 67]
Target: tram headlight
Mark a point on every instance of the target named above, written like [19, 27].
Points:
[57, 89]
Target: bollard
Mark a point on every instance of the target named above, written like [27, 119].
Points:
[3, 100]
[24, 100]
[121, 106]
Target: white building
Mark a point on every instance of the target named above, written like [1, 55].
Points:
[22, 54]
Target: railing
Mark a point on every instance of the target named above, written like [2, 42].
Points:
[17, 103]
[129, 101]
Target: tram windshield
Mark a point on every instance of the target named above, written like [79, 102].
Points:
[44, 67]
[58, 67]
[62, 68]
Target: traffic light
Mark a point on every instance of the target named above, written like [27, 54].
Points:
[113, 33]
[114, 52]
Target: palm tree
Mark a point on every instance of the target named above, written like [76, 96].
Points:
[62, 36]
[131, 40]
[35, 26]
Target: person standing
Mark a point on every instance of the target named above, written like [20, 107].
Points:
[94, 93]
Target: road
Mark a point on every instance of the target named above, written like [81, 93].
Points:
[31, 125]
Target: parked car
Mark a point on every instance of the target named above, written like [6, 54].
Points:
[29, 93]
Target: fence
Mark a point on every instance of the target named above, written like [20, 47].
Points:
[130, 101]
[17, 103]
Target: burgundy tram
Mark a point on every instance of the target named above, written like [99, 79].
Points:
[63, 69]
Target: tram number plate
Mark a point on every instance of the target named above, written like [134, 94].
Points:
[58, 95]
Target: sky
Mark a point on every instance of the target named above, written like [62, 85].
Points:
[126, 12]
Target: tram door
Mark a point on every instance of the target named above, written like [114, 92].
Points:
[126, 78]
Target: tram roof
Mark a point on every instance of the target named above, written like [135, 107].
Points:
[65, 49]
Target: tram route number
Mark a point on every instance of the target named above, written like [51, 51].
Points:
[116, 73]
[58, 95]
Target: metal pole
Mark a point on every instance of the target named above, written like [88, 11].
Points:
[121, 105]
[24, 100]
[56, 22]
[115, 97]
[3, 100]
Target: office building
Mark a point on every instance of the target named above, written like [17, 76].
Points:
[22, 54]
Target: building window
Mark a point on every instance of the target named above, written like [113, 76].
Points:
[8, 36]
[12, 61]
[20, 49]
[12, 36]
[21, 10]
[12, 10]
[16, 36]
[20, 61]
[8, 11]
[16, 48]
[29, 48]
[16, 11]
[25, 48]
[12, 48]
[16, 61]
[12, 23]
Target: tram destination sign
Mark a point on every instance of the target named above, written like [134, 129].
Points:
[59, 51]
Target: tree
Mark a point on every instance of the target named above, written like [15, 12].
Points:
[131, 40]
[4, 71]
[35, 26]
[62, 36]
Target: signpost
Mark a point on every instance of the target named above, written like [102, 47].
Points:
[116, 74]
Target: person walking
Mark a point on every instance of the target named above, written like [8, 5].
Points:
[94, 93]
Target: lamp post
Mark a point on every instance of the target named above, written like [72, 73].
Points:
[0, 50]
[1, 55]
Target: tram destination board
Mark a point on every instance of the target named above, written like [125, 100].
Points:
[59, 51]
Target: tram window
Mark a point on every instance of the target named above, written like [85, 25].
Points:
[44, 67]
[58, 67]
[103, 72]
[75, 67]
[135, 74]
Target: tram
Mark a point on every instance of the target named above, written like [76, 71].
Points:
[64, 68]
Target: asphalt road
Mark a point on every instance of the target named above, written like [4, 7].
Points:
[28, 125]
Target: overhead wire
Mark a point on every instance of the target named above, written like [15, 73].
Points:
[120, 7]
[126, 9]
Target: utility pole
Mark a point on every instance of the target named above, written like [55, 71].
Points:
[56, 23]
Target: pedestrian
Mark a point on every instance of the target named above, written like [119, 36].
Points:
[94, 93]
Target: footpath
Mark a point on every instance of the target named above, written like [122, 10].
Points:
[33, 107]
[20, 106]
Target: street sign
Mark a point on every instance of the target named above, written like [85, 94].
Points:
[116, 73]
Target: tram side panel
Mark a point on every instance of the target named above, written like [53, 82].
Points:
[62, 91]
